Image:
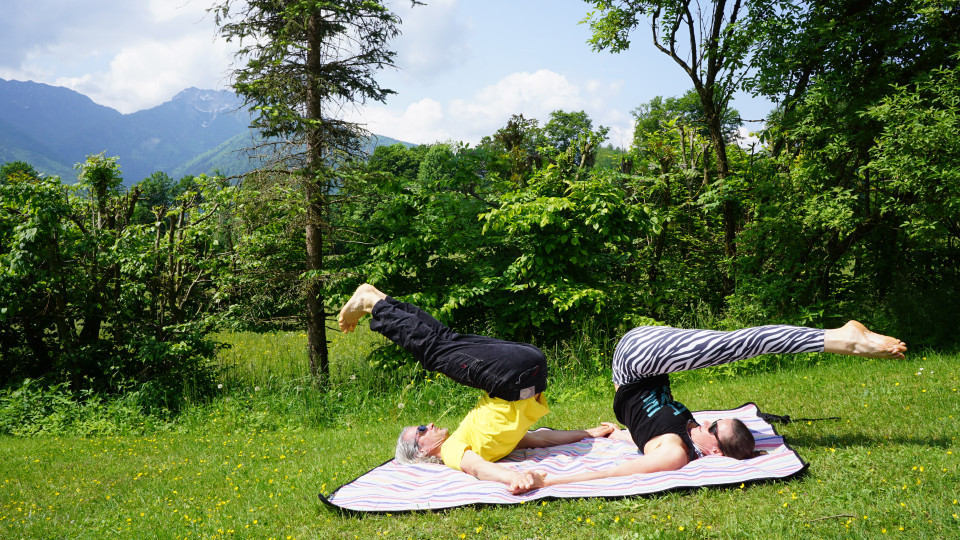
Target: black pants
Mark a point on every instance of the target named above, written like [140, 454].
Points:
[504, 369]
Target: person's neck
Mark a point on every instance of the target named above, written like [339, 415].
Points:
[435, 451]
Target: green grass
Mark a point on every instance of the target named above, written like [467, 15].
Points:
[250, 462]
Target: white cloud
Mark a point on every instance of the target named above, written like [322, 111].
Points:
[167, 10]
[128, 55]
[420, 123]
[150, 72]
[746, 138]
[434, 39]
[464, 66]
[621, 127]
[534, 95]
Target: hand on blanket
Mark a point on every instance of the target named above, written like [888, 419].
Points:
[523, 482]
[620, 435]
[604, 429]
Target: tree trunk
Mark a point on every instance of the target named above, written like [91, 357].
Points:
[729, 207]
[316, 328]
[313, 185]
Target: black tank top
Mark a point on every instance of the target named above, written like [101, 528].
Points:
[648, 410]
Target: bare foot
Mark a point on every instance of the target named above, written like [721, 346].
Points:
[360, 304]
[855, 339]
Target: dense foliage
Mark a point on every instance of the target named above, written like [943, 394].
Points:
[100, 302]
[848, 209]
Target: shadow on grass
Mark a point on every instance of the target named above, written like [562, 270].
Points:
[858, 440]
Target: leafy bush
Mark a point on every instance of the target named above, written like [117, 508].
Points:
[107, 304]
[33, 408]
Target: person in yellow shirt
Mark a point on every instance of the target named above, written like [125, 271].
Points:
[512, 375]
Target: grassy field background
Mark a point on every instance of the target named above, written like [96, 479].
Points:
[250, 462]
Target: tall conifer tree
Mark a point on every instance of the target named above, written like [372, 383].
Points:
[303, 61]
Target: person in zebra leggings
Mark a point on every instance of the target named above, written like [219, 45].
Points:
[663, 428]
[512, 375]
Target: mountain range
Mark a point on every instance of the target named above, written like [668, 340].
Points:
[54, 128]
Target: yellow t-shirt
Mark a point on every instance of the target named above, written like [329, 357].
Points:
[493, 428]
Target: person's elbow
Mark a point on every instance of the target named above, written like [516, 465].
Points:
[473, 467]
[481, 469]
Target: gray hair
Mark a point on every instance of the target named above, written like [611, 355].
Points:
[408, 452]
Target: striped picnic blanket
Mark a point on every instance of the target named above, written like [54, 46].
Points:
[392, 487]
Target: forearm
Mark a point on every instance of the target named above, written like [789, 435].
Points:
[655, 462]
[516, 482]
[552, 480]
[491, 472]
[633, 466]
[553, 437]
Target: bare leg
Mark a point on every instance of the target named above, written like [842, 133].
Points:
[854, 339]
[360, 304]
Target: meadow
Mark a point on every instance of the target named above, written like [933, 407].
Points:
[250, 462]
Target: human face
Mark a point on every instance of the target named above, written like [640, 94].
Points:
[713, 431]
[428, 437]
[707, 436]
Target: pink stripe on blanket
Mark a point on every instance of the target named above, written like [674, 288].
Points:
[392, 487]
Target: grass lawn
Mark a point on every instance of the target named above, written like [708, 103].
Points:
[250, 463]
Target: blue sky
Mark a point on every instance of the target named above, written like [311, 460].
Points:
[464, 66]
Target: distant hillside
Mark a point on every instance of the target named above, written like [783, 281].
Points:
[54, 128]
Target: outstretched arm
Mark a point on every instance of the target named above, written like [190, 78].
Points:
[516, 482]
[669, 456]
[555, 437]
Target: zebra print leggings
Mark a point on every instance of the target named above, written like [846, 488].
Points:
[657, 350]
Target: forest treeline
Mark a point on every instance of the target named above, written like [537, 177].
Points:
[848, 207]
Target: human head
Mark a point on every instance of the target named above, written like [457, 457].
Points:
[725, 437]
[738, 441]
[409, 450]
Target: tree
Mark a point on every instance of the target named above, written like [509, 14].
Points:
[918, 154]
[563, 128]
[158, 191]
[851, 50]
[89, 297]
[711, 48]
[521, 141]
[8, 170]
[573, 133]
[427, 232]
[652, 117]
[567, 238]
[305, 60]
[829, 64]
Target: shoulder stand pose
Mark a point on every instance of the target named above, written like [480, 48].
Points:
[512, 375]
[663, 428]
